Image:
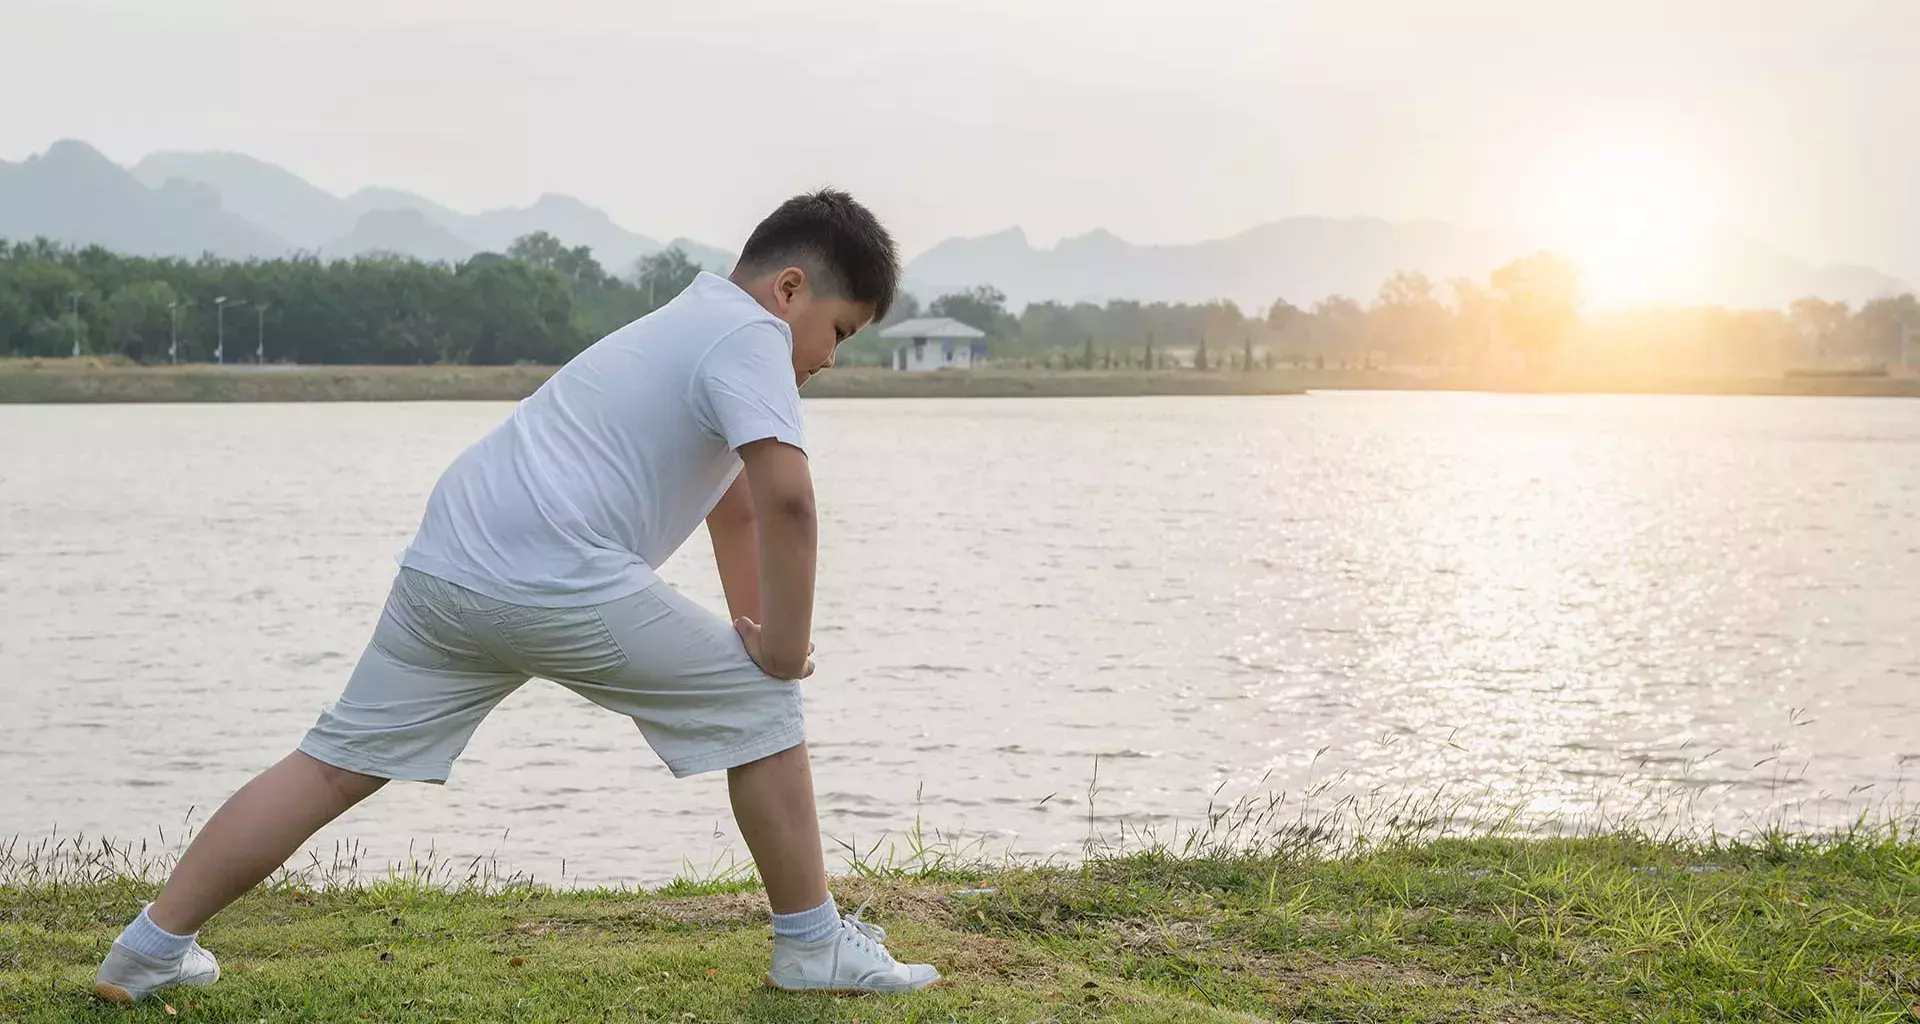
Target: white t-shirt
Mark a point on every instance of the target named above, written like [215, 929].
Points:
[602, 473]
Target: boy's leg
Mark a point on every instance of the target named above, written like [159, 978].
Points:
[255, 831]
[681, 673]
[252, 834]
[773, 804]
[417, 694]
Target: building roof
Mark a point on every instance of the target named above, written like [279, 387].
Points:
[932, 327]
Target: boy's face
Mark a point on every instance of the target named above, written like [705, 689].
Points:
[819, 323]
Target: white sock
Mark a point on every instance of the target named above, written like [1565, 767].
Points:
[149, 939]
[822, 922]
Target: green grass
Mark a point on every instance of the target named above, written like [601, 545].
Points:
[1294, 927]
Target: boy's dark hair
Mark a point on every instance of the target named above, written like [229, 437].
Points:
[838, 242]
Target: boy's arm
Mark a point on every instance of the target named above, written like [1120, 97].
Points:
[781, 486]
[736, 549]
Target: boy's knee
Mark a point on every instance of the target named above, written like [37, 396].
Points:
[349, 786]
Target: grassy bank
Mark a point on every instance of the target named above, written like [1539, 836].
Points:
[65, 382]
[1610, 928]
[68, 381]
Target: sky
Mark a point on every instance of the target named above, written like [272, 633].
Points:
[1603, 124]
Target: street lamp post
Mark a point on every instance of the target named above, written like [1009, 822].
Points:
[74, 297]
[220, 305]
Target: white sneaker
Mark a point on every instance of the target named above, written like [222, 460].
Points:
[126, 976]
[854, 960]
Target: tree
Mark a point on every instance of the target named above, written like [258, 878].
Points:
[664, 275]
[1889, 331]
[1288, 326]
[375, 310]
[1538, 299]
[983, 307]
[1200, 354]
[546, 252]
[1474, 316]
[1407, 319]
[543, 299]
[1283, 316]
[37, 314]
[138, 322]
[1046, 325]
[1819, 324]
[905, 307]
[16, 319]
[513, 312]
[1339, 325]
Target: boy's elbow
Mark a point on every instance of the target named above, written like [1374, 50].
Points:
[731, 516]
[792, 508]
[734, 510]
[781, 485]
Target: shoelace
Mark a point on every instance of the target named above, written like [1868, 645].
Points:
[872, 937]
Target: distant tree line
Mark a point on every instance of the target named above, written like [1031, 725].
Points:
[541, 301]
[1527, 315]
[538, 302]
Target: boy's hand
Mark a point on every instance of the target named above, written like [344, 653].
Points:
[749, 631]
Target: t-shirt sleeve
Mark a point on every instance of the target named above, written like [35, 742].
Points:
[743, 390]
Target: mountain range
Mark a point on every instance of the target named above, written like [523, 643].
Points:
[235, 206]
[1305, 259]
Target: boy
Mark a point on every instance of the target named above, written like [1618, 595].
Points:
[535, 559]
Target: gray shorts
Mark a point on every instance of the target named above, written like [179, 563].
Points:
[443, 656]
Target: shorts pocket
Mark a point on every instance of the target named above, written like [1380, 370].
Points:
[560, 643]
[405, 633]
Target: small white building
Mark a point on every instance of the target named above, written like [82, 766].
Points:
[936, 343]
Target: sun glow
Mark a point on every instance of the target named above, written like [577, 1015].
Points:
[1634, 221]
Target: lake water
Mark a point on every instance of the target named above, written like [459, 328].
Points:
[1557, 604]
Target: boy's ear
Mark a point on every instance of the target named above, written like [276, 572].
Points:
[788, 284]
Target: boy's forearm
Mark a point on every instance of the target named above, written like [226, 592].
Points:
[736, 553]
[788, 538]
[782, 497]
[736, 549]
